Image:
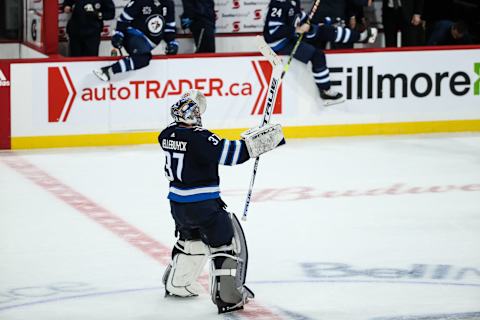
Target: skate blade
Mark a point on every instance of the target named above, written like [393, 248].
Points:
[327, 103]
[100, 75]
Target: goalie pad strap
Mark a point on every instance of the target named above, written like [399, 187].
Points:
[263, 139]
[225, 272]
[191, 247]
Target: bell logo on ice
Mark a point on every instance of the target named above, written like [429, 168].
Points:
[61, 94]
[3, 80]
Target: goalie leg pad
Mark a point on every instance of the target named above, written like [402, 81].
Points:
[229, 270]
[263, 139]
[189, 258]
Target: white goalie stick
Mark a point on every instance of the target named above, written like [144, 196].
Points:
[277, 75]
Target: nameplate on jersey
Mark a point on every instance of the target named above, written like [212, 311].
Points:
[174, 145]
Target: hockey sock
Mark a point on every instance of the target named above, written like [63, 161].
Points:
[322, 78]
[320, 71]
[133, 62]
[123, 65]
[346, 35]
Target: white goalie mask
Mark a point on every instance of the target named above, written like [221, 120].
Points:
[189, 108]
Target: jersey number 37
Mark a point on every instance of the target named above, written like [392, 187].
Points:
[173, 165]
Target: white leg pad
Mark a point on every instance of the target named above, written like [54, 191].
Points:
[181, 275]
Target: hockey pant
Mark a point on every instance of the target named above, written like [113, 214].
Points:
[139, 49]
[84, 45]
[307, 52]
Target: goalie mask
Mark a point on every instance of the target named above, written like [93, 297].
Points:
[189, 108]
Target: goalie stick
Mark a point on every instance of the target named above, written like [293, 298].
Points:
[275, 82]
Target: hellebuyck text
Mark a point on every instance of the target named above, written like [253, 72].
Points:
[367, 84]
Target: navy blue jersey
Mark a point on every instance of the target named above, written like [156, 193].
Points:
[192, 156]
[203, 10]
[282, 18]
[154, 18]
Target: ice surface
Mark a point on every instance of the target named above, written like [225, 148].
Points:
[349, 228]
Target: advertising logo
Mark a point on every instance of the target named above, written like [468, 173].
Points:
[236, 26]
[33, 30]
[235, 4]
[417, 272]
[476, 86]
[402, 85]
[263, 70]
[3, 80]
[61, 94]
[257, 14]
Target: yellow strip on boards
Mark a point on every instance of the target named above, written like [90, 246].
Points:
[85, 140]
[341, 130]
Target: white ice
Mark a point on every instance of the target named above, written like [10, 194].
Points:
[344, 228]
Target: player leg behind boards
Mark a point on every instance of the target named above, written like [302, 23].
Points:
[139, 49]
[205, 228]
[310, 50]
[307, 52]
[335, 33]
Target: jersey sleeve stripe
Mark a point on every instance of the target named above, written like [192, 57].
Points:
[275, 23]
[223, 157]
[238, 147]
[339, 34]
[273, 30]
[347, 35]
[126, 16]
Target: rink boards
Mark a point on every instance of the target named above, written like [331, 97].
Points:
[59, 103]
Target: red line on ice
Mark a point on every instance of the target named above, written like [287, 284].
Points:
[113, 223]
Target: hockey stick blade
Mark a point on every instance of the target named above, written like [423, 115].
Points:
[278, 72]
[268, 53]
